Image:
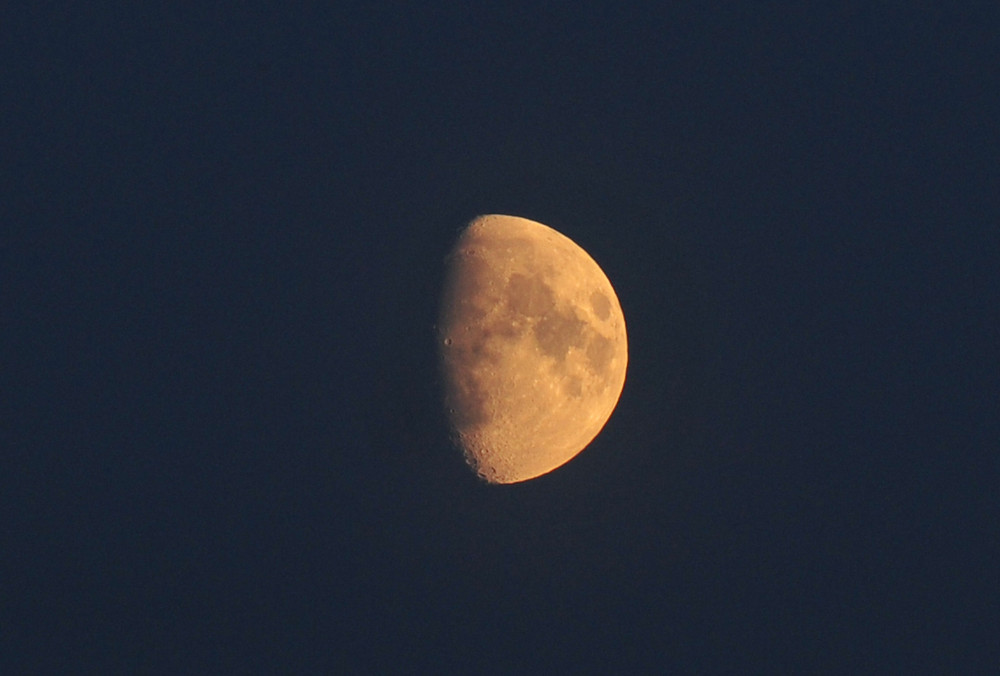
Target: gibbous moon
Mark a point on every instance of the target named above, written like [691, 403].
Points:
[532, 346]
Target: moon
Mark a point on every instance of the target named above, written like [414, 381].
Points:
[532, 348]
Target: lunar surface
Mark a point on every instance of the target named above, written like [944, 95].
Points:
[532, 345]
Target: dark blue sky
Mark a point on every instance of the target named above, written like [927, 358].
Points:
[222, 447]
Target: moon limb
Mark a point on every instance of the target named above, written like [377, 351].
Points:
[532, 346]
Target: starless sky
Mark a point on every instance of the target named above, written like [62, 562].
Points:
[223, 241]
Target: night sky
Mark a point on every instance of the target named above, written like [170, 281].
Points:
[222, 448]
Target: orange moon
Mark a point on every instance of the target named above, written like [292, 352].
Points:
[532, 344]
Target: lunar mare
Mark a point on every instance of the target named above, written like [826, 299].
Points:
[532, 345]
